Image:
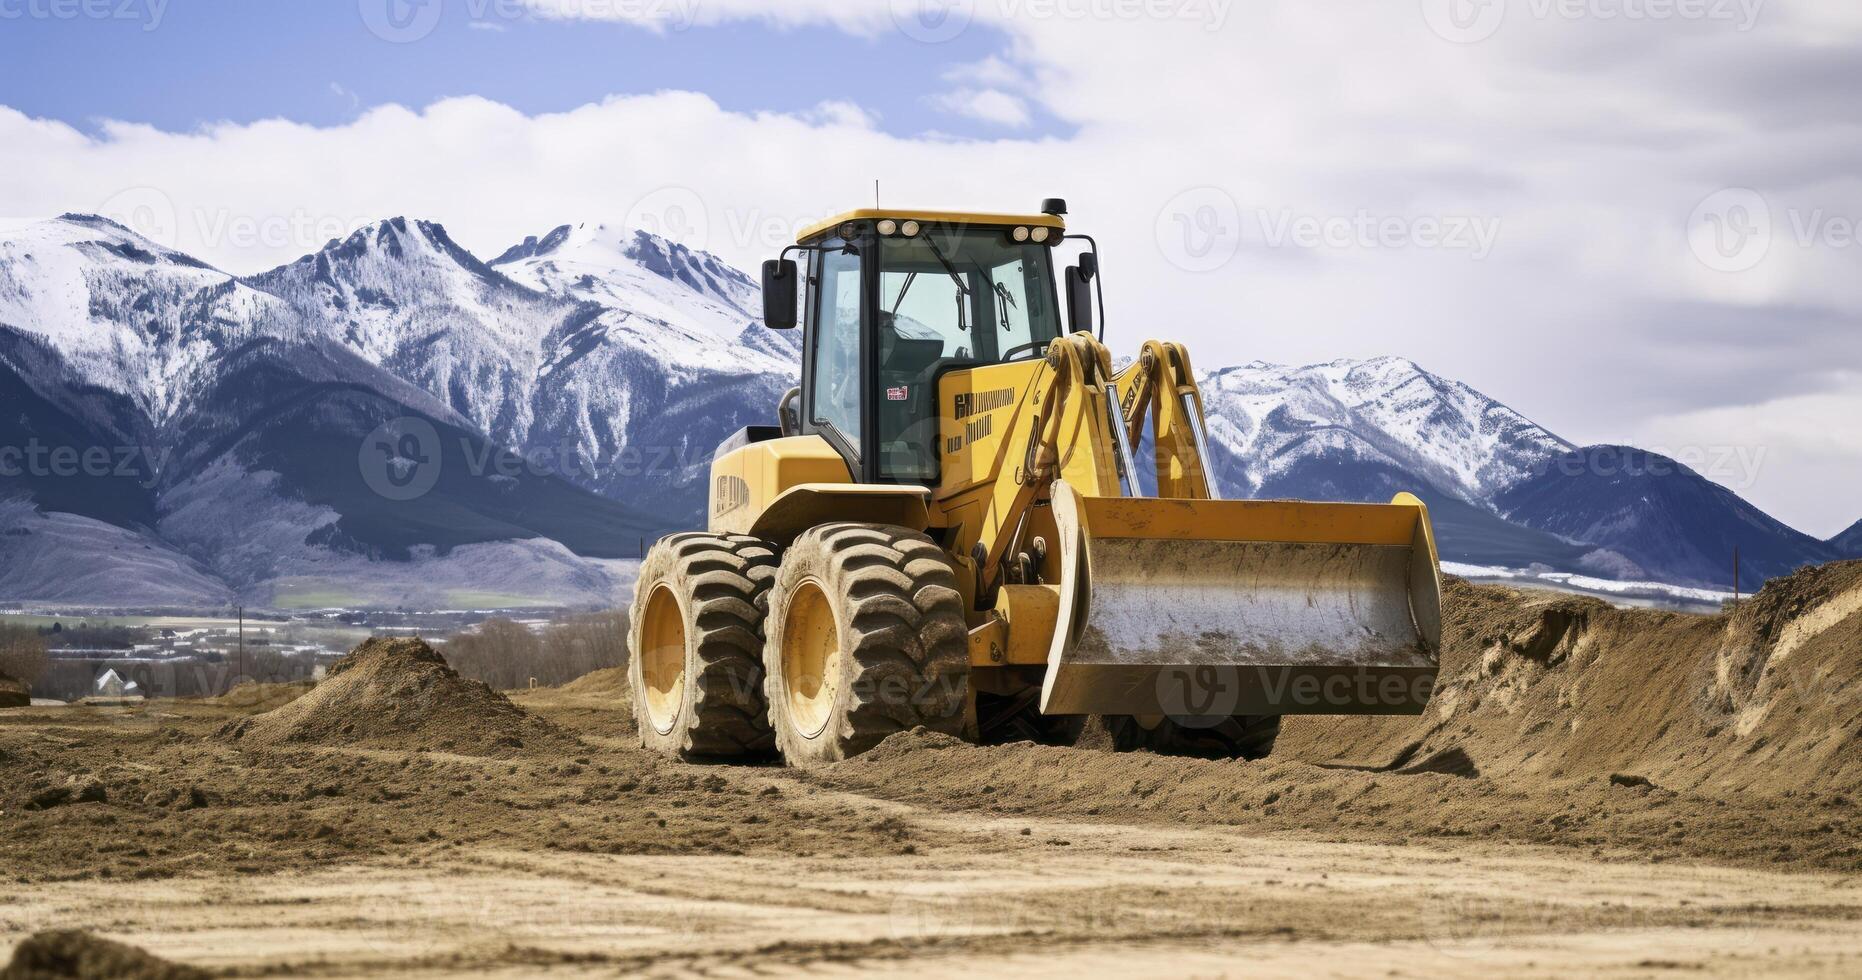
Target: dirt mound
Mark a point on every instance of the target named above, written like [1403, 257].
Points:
[607, 681]
[80, 955]
[1764, 699]
[13, 693]
[400, 694]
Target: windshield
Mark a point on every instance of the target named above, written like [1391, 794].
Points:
[951, 297]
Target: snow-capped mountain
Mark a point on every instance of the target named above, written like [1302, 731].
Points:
[614, 362]
[1503, 491]
[562, 402]
[1275, 420]
[124, 314]
[220, 440]
[636, 271]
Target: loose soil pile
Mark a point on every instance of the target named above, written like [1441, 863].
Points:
[82, 956]
[13, 693]
[400, 694]
[1558, 720]
[1539, 686]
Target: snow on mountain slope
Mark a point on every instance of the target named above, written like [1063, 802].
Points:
[126, 314]
[600, 369]
[638, 272]
[408, 299]
[610, 360]
[1387, 411]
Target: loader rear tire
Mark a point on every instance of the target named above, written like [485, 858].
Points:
[696, 636]
[866, 638]
[1237, 737]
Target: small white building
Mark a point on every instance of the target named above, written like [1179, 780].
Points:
[112, 685]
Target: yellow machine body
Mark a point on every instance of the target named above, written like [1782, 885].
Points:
[1167, 605]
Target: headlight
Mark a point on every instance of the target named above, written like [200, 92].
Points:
[1039, 235]
[888, 227]
[1021, 234]
[910, 228]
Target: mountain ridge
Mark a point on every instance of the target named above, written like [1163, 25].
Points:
[606, 364]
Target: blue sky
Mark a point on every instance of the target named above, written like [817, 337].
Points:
[186, 63]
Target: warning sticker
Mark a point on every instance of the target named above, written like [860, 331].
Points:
[897, 394]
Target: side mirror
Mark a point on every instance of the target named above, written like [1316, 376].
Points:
[1080, 293]
[779, 294]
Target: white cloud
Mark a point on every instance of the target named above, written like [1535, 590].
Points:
[1590, 142]
[992, 71]
[1794, 456]
[988, 105]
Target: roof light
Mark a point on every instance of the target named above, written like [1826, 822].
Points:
[1021, 233]
[1039, 235]
[910, 228]
[887, 226]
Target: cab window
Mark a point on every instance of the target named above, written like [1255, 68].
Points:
[948, 298]
[834, 390]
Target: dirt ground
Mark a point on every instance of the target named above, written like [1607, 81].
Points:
[1593, 791]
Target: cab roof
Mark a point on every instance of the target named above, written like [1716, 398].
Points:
[821, 228]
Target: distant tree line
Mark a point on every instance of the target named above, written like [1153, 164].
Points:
[508, 655]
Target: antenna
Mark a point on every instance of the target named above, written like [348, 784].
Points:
[875, 193]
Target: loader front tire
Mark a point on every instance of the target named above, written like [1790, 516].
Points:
[696, 636]
[866, 638]
[1237, 737]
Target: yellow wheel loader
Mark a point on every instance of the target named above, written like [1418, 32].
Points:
[949, 528]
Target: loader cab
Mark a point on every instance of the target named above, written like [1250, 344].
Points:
[895, 300]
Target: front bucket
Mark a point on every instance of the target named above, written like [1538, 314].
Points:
[1210, 608]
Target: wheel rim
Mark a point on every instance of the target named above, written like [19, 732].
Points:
[662, 662]
[810, 660]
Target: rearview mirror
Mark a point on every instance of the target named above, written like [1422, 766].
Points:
[779, 295]
[1080, 293]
